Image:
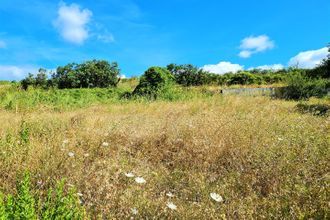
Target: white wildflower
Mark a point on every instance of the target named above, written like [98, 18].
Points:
[129, 175]
[140, 180]
[169, 194]
[134, 211]
[280, 139]
[171, 205]
[105, 144]
[79, 194]
[86, 155]
[216, 197]
[71, 154]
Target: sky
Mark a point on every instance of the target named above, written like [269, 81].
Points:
[216, 35]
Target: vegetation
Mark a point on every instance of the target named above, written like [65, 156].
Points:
[27, 204]
[166, 145]
[263, 158]
[154, 81]
[302, 87]
[90, 74]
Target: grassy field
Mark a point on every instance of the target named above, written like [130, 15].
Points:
[262, 156]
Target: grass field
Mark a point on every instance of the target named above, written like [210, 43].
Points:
[263, 157]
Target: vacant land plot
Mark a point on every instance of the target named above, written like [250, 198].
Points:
[264, 158]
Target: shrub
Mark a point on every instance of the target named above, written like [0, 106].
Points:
[244, 78]
[154, 81]
[26, 204]
[302, 87]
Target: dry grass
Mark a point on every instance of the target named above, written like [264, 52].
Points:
[265, 159]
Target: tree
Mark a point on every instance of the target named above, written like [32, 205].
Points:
[41, 78]
[188, 75]
[28, 81]
[90, 74]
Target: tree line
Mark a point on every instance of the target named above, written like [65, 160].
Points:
[102, 74]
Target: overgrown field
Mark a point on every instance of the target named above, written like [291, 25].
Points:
[265, 158]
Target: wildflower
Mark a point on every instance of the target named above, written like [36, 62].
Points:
[140, 180]
[169, 194]
[216, 197]
[71, 154]
[129, 175]
[79, 194]
[66, 141]
[105, 144]
[86, 155]
[134, 211]
[171, 205]
[280, 139]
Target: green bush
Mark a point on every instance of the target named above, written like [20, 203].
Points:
[154, 81]
[244, 78]
[302, 87]
[27, 205]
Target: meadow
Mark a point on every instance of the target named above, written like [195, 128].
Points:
[191, 155]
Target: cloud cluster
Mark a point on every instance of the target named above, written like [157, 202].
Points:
[223, 67]
[309, 59]
[72, 23]
[305, 59]
[255, 44]
[10, 72]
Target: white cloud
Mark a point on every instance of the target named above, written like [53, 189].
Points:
[309, 59]
[251, 45]
[2, 44]
[245, 53]
[223, 67]
[269, 67]
[72, 23]
[11, 72]
[106, 38]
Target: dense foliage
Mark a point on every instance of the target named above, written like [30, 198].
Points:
[27, 204]
[188, 75]
[90, 74]
[153, 81]
[302, 87]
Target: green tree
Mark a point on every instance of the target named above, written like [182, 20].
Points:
[28, 81]
[188, 75]
[41, 78]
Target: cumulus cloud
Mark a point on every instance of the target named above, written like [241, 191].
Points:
[223, 67]
[269, 67]
[11, 72]
[255, 44]
[72, 23]
[2, 44]
[309, 59]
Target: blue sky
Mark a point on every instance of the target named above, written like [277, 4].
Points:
[216, 35]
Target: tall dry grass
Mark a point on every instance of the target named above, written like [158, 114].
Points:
[265, 159]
